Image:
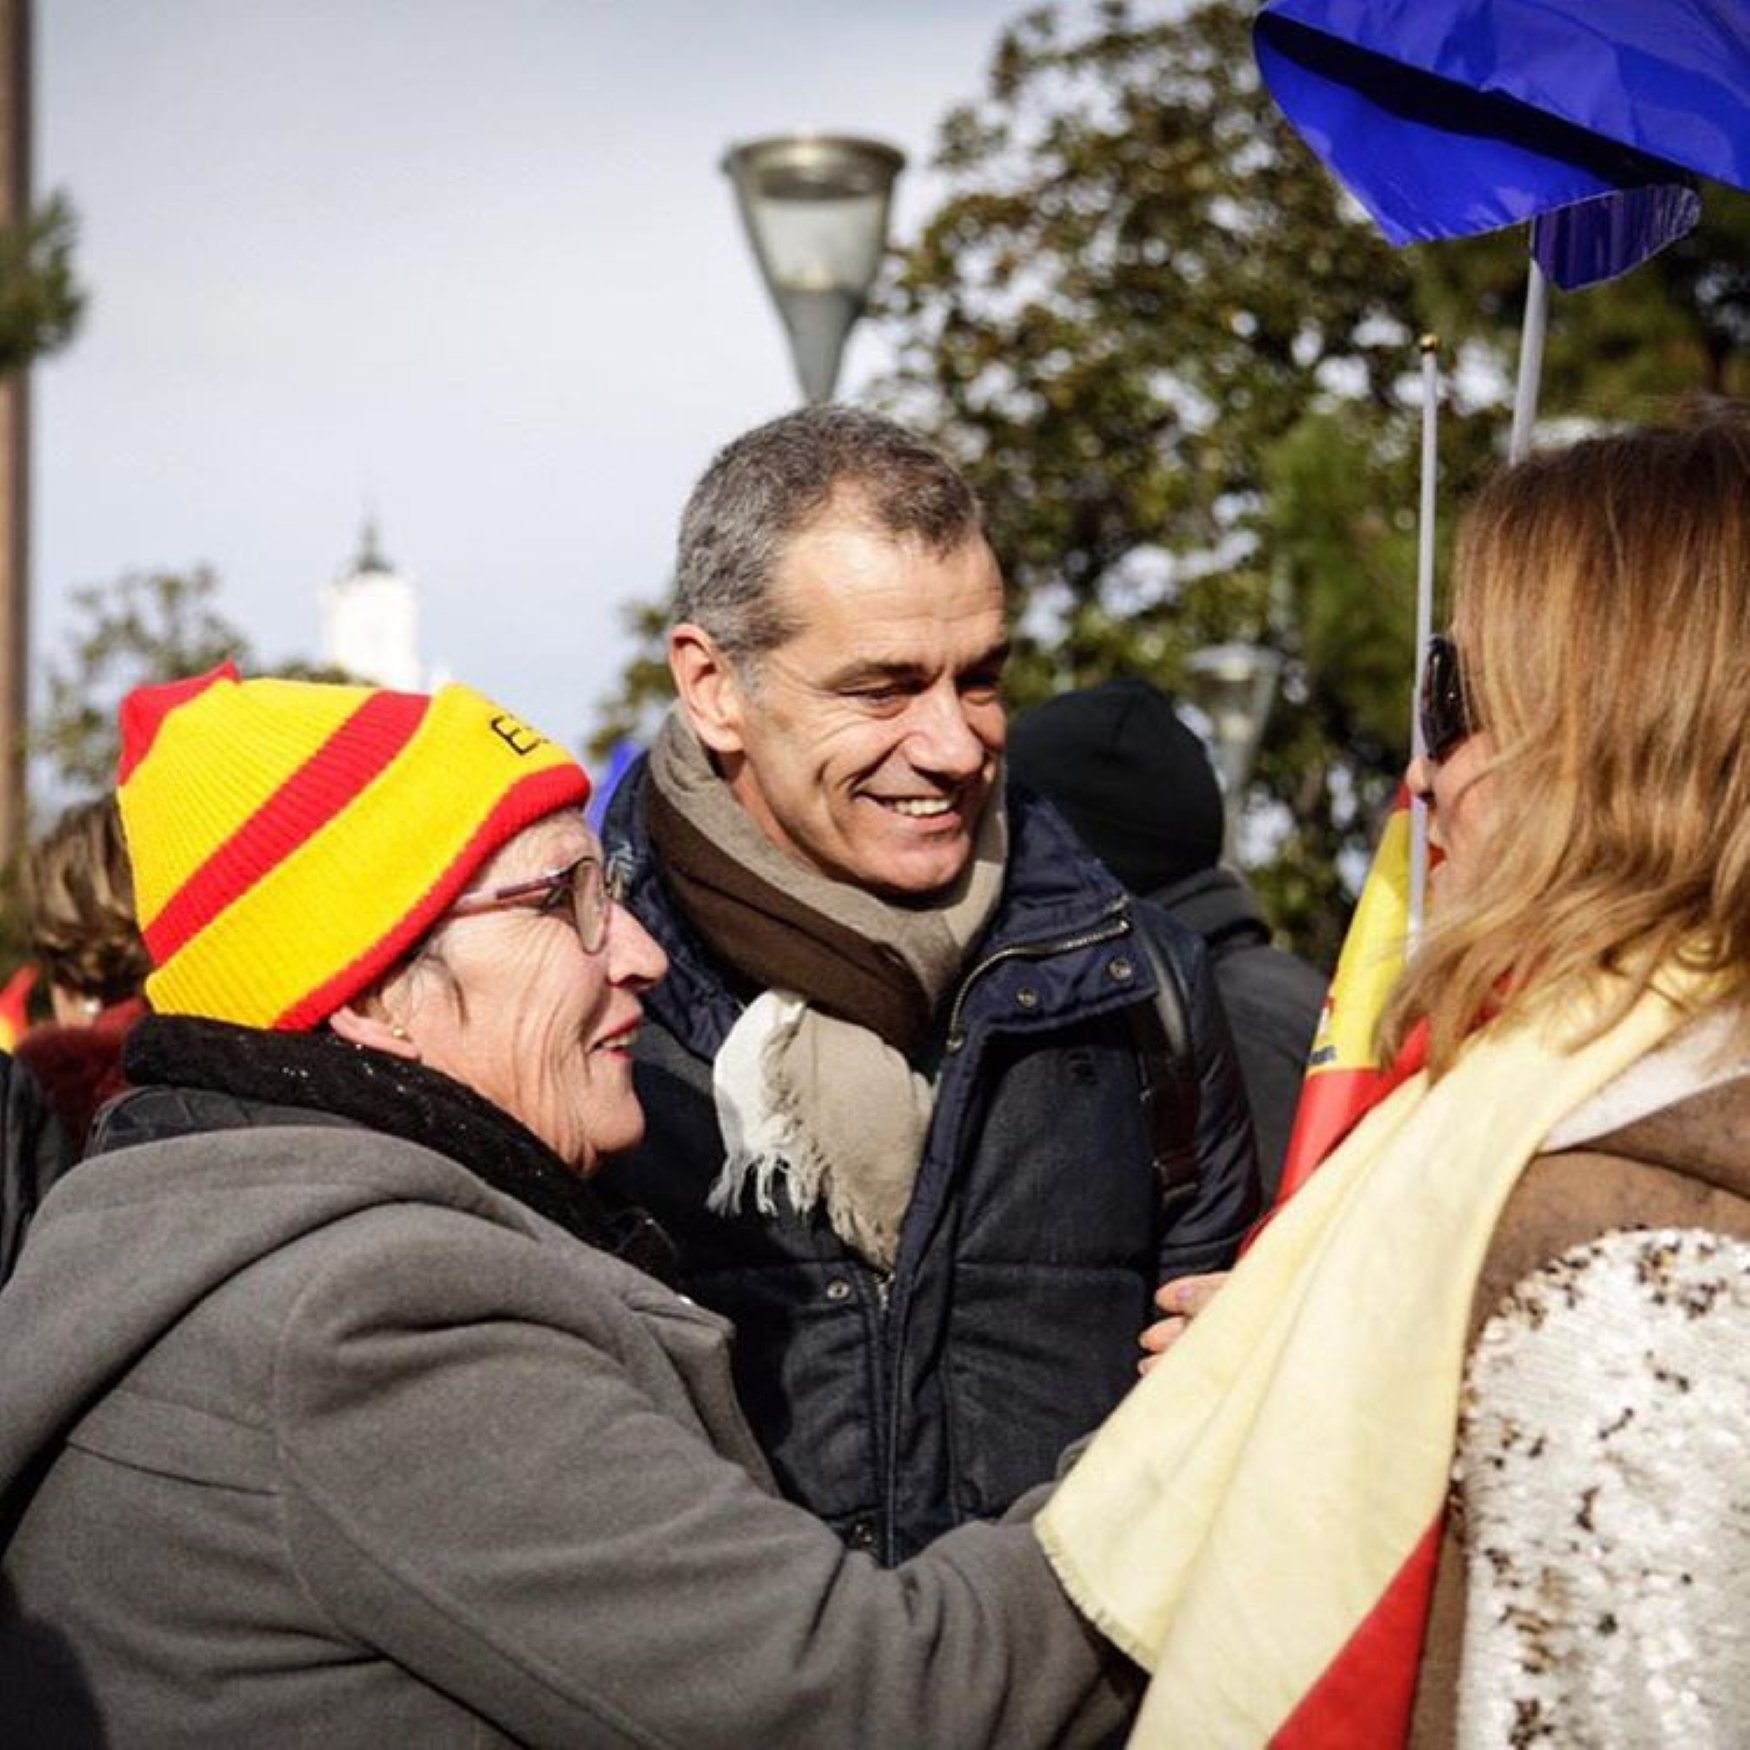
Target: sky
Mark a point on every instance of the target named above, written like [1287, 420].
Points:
[466, 266]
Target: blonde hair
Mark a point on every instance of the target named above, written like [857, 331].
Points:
[1602, 616]
[79, 900]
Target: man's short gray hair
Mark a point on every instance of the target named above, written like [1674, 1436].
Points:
[769, 483]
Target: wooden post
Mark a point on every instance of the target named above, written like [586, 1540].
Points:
[15, 168]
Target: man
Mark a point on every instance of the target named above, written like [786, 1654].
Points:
[1137, 786]
[899, 1081]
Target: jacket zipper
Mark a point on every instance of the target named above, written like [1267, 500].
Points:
[1118, 925]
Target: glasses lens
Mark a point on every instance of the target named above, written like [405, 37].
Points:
[1445, 721]
[589, 899]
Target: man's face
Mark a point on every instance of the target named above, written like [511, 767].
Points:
[867, 744]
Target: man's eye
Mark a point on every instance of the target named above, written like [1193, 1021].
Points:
[556, 898]
[981, 686]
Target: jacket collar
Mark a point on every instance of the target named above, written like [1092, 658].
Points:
[191, 1075]
[1704, 1135]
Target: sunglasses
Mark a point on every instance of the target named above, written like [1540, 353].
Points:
[589, 888]
[1444, 716]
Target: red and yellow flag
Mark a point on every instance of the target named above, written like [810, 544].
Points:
[1344, 1075]
[15, 1006]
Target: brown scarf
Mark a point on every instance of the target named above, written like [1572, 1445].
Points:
[851, 982]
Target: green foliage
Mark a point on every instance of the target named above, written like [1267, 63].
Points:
[646, 688]
[1678, 324]
[1179, 366]
[147, 627]
[1184, 372]
[40, 299]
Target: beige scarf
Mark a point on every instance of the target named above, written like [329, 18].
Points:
[809, 1097]
[1248, 1523]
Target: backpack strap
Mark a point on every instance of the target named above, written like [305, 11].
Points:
[1167, 1068]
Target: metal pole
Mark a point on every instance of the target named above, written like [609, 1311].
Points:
[1424, 617]
[1530, 362]
[15, 179]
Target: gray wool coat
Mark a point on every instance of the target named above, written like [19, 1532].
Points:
[309, 1436]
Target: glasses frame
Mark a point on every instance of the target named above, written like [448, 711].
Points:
[610, 883]
[1443, 713]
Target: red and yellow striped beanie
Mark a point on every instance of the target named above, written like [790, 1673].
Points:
[292, 840]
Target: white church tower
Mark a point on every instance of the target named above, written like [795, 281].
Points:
[370, 620]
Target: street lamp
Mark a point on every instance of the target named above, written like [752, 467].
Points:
[815, 207]
[1235, 685]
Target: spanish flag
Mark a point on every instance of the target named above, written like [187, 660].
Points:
[1258, 1523]
[15, 1006]
[1344, 1075]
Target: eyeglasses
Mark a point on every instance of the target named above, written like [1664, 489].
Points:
[591, 889]
[1445, 717]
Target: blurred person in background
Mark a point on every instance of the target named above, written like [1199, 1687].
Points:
[79, 908]
[349, 1417]
[1138, 787]
[78, 899]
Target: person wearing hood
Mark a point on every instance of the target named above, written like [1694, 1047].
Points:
[337, 1407]
[1137, 786]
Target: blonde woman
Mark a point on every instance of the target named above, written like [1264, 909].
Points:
[1465, 1430]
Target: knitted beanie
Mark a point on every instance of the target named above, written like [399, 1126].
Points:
[1134, 782]
[292, 840]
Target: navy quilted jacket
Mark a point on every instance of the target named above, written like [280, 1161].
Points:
[898, 1406]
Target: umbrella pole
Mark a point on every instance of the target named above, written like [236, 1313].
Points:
[1530, 362]
[1424, 619]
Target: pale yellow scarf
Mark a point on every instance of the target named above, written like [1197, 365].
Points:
[1246, 1506]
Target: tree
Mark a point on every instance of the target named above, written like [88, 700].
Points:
[645, 688]
[41, 300]
[149, 626]
[1182, 369]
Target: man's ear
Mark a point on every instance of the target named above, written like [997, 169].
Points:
[710, 692]
[357, 1027]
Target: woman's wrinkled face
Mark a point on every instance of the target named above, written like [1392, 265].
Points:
[509, 1001]
[1460, 796]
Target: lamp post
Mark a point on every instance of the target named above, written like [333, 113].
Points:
[815, 207]
[1235, 685]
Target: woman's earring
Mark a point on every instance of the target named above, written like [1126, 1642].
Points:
[399, 1032]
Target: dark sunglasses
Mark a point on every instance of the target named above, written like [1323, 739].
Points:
[1445, 717]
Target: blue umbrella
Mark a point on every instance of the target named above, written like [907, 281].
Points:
[1589, 118]
[1449, 117]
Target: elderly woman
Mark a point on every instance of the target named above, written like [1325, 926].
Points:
[339, 1419]
[1528, 1268]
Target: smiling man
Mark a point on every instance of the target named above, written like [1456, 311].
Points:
[907, 1086]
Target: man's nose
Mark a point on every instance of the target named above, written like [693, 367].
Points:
[942, 738]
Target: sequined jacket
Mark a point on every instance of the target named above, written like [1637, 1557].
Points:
[1594, 1579]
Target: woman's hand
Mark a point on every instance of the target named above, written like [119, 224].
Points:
[1181, 1300]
